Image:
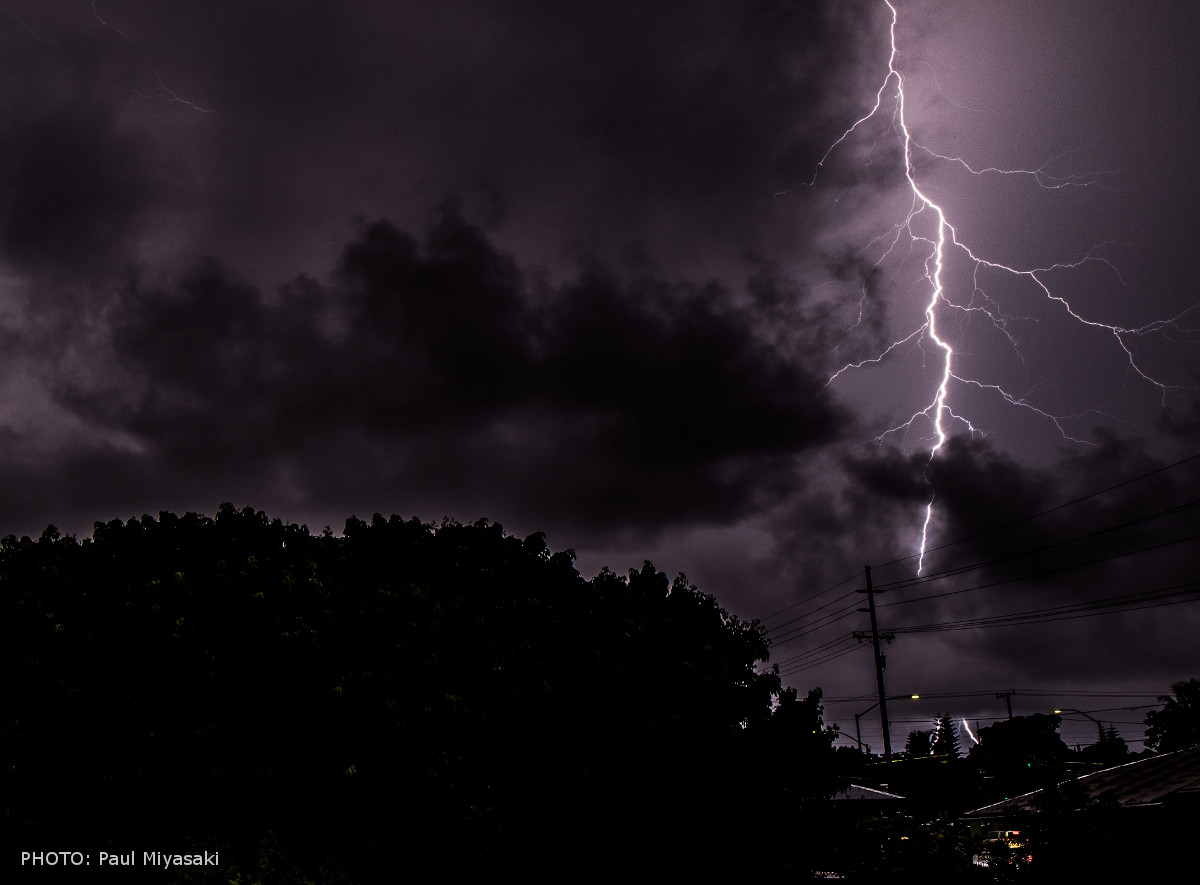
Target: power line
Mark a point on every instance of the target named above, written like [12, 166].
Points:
[780, 636]
[1054, 509]
[1087, 693]
[810, 598]
[813, 611]
[1063, 618]
[797, 632]
[833, 649]
[925, 579]
[1045, 572]
[1026, 692]
[1109, 605]
[845, 637]
[801, 668]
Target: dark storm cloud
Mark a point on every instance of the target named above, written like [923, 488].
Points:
[612, 397]
[140, 136]
[76, 181]
[631, 354]
[599, 124]
[1007, 538]
[75, 188]
[988, 507]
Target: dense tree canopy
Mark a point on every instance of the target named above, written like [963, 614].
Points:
[945, 740]
[1022, 753]
[919, 743]
[1109, 749]
[432, 696]
[1177, 725]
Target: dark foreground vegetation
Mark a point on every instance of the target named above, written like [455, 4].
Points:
[415, 701]
[402, 698]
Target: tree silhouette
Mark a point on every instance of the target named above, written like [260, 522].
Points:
[945, 738]
[1177, 725]
[445, 698]
[1022, 753]
[1110, 749]
[919, 743]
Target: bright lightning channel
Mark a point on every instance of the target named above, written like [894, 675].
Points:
[970, 733]
[938, 412]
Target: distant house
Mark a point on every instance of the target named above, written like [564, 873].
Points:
[856, 793]
[1128, 821]
[857, 802]
[1169, 779]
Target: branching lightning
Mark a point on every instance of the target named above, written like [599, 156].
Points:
[945, 239]
[165, 93]
[103, 21]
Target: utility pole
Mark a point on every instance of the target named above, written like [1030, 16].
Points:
[866, 748]
[1007, 695]
[1099, 724]
[880, 663]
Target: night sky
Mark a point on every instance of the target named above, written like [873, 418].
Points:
[589, 269]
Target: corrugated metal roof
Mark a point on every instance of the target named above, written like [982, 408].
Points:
[1144, 781]
[854, 791]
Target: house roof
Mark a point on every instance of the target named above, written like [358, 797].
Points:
[1146, 781]
[854, 791]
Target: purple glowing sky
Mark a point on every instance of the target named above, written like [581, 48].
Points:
[562, 268]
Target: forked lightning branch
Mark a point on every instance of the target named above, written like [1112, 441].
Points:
[936, 240]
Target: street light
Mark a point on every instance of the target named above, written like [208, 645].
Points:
[858, 716]
[1099, 726]
[865, 748]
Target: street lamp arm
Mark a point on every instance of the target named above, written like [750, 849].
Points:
[1099, 724]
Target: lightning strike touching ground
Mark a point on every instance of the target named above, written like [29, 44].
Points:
[926, 227]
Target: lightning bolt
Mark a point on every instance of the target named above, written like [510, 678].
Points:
[938, 243]
[165, 93]
[104, 22]
[970, 733]
[28, 27]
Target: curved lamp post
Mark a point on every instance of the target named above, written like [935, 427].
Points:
[1099, 725]
[858, 716]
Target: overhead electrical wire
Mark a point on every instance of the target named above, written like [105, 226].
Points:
[1108, 605]
[801, 625]
[845, 637]
[808, 599]
[846, 611]
[925, 579]
[813, 611]
[1022, 692]
[805, 629]
[896, 585]
[1043, 573]
[1047, 511]
[791, 671]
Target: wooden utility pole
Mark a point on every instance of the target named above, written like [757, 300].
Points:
[880, 663]
[1007, 695]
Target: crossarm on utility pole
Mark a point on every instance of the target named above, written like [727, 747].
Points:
[879, 665]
